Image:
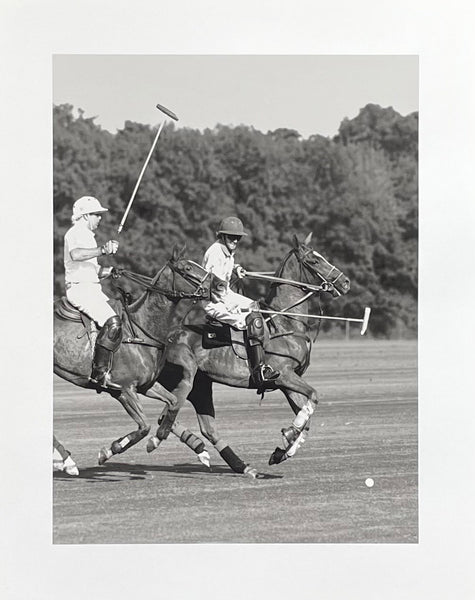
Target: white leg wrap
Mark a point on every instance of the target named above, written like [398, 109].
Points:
[303, 416]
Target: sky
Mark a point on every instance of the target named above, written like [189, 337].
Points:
[309, 93]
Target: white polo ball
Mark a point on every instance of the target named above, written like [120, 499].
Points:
[369, 482]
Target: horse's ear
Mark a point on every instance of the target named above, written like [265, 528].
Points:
[308, 239]
[296, 241]
[175, 253]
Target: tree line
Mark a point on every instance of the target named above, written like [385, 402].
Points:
[357, 192]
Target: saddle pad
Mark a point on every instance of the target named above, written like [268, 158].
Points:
[217, 335]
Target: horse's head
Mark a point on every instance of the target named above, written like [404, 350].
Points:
[194, 275]
[314, 265]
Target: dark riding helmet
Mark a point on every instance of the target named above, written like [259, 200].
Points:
[231, 226]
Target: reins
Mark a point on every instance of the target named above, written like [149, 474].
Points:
[325, 287]
[150, 284]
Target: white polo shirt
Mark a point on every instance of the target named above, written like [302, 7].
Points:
[80, 271]
[219, 261]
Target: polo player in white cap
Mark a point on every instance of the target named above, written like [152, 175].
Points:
[232, 308]
[83, 288]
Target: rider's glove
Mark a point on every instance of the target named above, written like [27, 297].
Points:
[110, 247]
[240, 272]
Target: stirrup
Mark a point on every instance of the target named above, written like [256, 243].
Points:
[263, 382]
[267, 373]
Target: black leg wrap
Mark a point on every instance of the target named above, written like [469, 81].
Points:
[192, 441]
[116, 447]
[233, 461]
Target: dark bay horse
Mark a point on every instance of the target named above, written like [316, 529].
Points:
[287, 350]
[137, 362]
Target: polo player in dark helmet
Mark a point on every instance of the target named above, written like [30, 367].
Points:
[232, 308]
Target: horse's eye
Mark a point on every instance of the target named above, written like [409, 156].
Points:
[188, 268]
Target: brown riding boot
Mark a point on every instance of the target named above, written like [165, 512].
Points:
[108, 341]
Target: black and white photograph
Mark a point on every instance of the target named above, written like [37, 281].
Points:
[253, 225]
[250, 285]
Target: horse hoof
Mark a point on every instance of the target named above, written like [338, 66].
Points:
[104, 455]
[251, 472]
[204, 458]
[68, 466]
[277, 456]
[152, 444]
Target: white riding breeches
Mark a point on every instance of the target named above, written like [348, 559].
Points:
[228, 310]
[90, 298]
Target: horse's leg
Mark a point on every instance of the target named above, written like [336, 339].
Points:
[176, 376]
[296, 402]
[62, 458]
[158, 392]
[192, 441]
[58, 446]
[130, 401]
[201, 397]
[303, 400]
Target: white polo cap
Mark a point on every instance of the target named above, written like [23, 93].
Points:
[87, 205]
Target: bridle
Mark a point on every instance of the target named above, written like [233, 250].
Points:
[302, 254]
[194, 274]
[307, 273]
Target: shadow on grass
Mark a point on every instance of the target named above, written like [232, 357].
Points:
[116, 472]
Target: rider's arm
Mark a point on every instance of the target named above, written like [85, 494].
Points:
[211, 261]
[109, 247]
[86, 253]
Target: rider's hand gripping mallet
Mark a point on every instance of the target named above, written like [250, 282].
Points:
[173, 116]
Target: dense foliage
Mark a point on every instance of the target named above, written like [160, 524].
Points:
[356, 192]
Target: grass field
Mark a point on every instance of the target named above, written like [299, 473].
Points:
[366, 425]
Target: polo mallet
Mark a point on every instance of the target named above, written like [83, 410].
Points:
[364, 320]
[173, 116]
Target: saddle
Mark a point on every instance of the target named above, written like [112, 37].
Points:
[66, 311]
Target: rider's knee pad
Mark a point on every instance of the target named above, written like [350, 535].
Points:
[110, 335]
[255, 328]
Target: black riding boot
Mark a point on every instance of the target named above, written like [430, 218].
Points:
[108, 341]
[262, 373]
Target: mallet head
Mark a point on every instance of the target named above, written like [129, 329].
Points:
[167, 111]
[364, 326]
